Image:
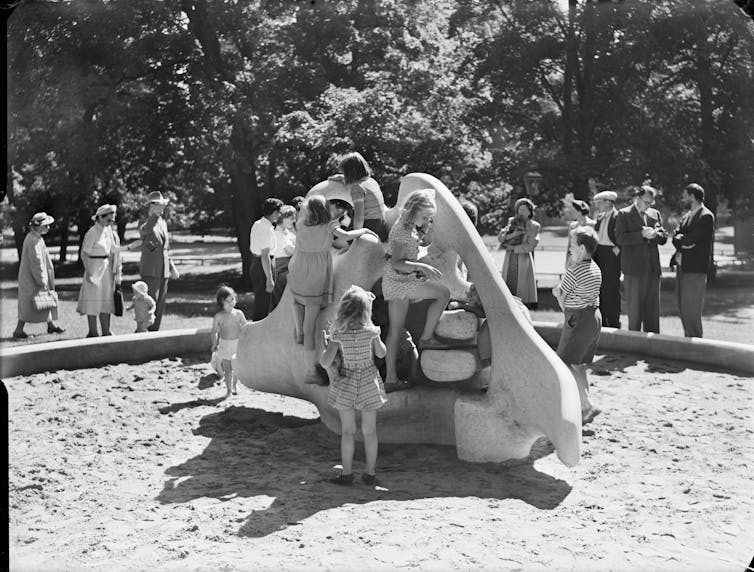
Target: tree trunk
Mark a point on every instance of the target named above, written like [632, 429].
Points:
[64, 237]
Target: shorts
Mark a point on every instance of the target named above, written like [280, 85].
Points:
[581, 332]
[226, 349]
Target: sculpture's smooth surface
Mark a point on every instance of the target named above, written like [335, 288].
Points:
[531, 392]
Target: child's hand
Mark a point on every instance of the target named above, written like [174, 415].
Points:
[430, 272]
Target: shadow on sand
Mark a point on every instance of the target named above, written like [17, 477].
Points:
[257, 453]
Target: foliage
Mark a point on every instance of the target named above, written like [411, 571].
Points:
[220, 104]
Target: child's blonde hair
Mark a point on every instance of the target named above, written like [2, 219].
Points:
[354, 311]
[316, 211]
[417, 201]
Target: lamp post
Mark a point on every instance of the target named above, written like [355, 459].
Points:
[532, 182]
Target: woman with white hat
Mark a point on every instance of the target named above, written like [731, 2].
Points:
[100, 253]
[35, 274]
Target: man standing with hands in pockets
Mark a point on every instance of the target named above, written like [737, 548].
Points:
[693, 243]
[638, 231]
[607, 257]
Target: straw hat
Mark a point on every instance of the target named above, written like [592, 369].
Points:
[103, 210]
[40, 219]
[606, 195]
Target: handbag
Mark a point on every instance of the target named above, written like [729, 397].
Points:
[45, 300]
[118, 300]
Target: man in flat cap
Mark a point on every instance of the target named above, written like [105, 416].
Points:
[693, 243]
[155, 266]
[607, 257]
[638, 231]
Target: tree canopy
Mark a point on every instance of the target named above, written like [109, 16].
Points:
[223, 103]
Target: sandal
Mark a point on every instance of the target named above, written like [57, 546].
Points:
[397, 385]
[368, 479]
[342, 479]
[55, 329]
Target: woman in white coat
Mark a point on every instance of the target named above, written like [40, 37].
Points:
[100, 253]
[35, 273]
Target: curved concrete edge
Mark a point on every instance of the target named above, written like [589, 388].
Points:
[140, 348]
[725, 355]
[94, 352]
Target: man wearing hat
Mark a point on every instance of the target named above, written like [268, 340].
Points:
[693, 243]
[638, 231]
[607, 257]
[155, 267]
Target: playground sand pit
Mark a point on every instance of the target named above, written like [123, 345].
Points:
[142, 467]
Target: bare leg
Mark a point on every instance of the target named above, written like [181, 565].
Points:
[228, 370]
[588, 411]
[104, 320]
[92, 326]
[369, 431]
[310, 321]
[441, 296]
[298, 323]
[397, 310]
[348, 431]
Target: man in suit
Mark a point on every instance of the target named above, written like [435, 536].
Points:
[638, 231]
[607, 257]
[155, 257]
[693, 243]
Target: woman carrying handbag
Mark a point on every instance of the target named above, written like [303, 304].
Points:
[36, 280]
[100, 253]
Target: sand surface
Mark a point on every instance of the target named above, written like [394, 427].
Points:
[142, 467]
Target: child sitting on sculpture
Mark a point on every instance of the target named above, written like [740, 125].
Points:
[310, 276]
[226, 330]
[356, 340]
[405, 280]
[143, 305]
[578, 294]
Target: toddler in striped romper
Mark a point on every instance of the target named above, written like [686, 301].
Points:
[359, 386]
[578, 294]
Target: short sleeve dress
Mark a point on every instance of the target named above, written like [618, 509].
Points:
[96, 293]
[310, 275]
[401, 285]
[360, 385]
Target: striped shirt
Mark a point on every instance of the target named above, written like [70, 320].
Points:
[581, 285]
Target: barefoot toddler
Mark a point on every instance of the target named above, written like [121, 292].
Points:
[226, 330]
[143, 305]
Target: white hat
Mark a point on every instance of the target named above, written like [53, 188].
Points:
[156, 197]
[140, 287]
[103, 210]
[606, 196]
[40, 219]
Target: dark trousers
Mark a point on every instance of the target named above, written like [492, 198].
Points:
[281, 280]
[157, 287]
[643, 302]
[609, 265]
[689, 290]
[262, 298]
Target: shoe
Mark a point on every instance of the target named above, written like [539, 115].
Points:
[588, 415]
[368, 479]
[91, 335]
[342, 479]
[397, 386]
[20, 335]
[55, 330]
[107, 334]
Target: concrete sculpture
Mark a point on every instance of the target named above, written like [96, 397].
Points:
[530, 392]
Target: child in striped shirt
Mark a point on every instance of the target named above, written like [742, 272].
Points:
[578, 294]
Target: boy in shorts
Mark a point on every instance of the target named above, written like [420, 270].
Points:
[578, 294]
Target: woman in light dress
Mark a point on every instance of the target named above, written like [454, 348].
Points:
[100, 253]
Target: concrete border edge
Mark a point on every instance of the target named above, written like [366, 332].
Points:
[140, 348]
